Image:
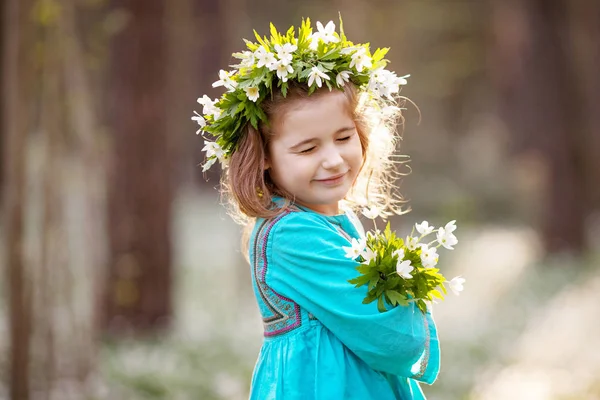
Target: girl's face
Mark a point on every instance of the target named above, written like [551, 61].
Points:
[315, 152]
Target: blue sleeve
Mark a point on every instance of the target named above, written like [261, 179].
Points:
[309, 266]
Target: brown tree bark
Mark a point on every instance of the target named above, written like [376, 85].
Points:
[16, 105]
[542, 109]
[138, 294]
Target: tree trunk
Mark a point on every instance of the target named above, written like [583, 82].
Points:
[17, 85]
[542, 109]
[138, 294]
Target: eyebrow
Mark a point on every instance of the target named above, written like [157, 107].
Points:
[344, 129]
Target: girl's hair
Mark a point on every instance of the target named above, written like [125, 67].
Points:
[248, 188]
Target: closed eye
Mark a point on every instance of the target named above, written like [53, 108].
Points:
[344, 138]
[306, 151]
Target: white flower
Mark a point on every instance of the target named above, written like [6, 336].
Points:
[200, 120]
[283, 70]
[209, 163]
[385, 83]
[348, 50]
[403, 268]
[411, 243]
[252, 93]
[284, 53]
[399, 253]
[445, 237]
[265, 58]
[315, 76]
[360, 59]
[456, 284]
[356, 248]
[247, 58]
[423, 228]
[213, 150]
[429, 257]
[209, 107]
[342, 78]
[225, 80]
[326, 34]
[368, 255]
[371, 213]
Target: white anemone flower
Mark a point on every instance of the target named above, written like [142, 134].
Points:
[200, 120]
[209, 163]
[399, 253]
[247, 58]
[368, 254]
[360, 59]
[225, 80]
[423, 228]
[445, 237]
[315, 76]
[213, 150]
[283, 70]
[326, 34]
[385, 83]
[371, 212]
[252, 93]
[411, 243]
[265, 58]
[284, 52]
[209, 106]
[456, 284]
[403, 268]
[429, 256]
[356, 248]
[342, 78]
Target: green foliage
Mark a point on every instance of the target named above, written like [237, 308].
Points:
[385, 285]
[331, 52]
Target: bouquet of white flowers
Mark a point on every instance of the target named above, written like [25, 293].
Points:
[398, 271]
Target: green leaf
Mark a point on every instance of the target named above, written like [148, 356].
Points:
[260, 40]
[381, 305]
[437, 294]
[254, 121]
[342, 35]
[373, 282]
[363, 269]
[397, 298]
[251, 45]
[369, 299]
[360, 280]
[328, 66]
[444, 289]
[380, 53]
[290, 34]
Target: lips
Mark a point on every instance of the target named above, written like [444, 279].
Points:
[332, 179]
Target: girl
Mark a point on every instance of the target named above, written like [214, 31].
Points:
[306, 135]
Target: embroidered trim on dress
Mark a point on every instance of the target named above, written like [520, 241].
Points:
[285, 312]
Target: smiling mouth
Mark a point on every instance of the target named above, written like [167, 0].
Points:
[333, 179]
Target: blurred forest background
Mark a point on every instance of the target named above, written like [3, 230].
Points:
[122, 276]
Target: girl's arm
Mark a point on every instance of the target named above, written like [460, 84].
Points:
[306, 263]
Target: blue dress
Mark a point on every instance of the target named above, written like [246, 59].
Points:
[320, 341]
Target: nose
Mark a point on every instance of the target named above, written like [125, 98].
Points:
[332, 159]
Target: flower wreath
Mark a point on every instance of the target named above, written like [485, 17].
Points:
[324, 57]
